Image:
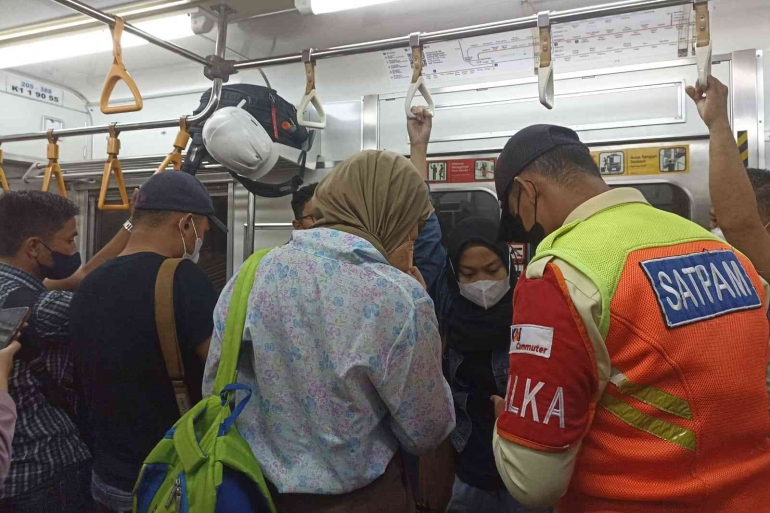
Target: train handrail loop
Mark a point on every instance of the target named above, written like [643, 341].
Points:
[545, 69]
[3, 181]
[117, 73]
[703, 48]
[180, 143]
[53, 168]
[112, 166]
[418, 80]
[311, 95]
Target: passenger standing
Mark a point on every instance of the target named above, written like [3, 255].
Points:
[741, 197]
[51, 463]
[344, 356]
[638, 352]
[302, 206]
[129, 395]
[477, 331]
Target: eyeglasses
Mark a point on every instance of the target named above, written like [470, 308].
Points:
[309, 216]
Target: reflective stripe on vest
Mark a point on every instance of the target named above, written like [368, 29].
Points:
[656, 398]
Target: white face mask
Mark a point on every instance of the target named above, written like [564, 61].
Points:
[196, 254]
[718, 232]
[485, 293]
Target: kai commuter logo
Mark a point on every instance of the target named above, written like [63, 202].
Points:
[531, 339]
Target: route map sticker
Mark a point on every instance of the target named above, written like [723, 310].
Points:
[657, 34]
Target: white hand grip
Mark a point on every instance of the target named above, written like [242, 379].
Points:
[545, 85]
[311, 97]
[703, 55]
[421, 86]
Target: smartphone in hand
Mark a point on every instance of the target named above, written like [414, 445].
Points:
[11, 320]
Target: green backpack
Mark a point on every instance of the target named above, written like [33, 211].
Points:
[203, 465]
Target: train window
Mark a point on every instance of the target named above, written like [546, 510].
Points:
[664, 196]
[213, 259]
[454, 206]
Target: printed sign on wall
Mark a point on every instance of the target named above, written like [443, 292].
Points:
[34, 90]
[462, 170]
[643, 161]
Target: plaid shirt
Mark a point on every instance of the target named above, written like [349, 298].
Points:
[46, 439]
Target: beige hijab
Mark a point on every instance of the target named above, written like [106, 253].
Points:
[377, 195]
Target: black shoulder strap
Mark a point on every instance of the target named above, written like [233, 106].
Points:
[195, 153]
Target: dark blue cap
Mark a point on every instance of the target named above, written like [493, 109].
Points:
[178, 192]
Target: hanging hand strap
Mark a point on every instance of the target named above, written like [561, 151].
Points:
[165, 321]
[311, 95]
[418, 81]
[545, 70]
[236, 320]
[53, 168]
[703, 48]
[180, 143]
[3, 181]
[117, 73]
[113, 166]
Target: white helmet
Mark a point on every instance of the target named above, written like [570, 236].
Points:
[239, 142]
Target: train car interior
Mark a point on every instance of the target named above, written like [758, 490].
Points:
[617, 76]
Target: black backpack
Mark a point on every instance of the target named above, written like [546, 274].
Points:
[279, 119]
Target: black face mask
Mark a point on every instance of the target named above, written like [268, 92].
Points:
[516, 230]
[64, 266]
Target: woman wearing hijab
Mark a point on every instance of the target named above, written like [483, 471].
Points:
[477, 306]
[342, 348]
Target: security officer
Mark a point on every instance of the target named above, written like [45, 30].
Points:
[639, 352]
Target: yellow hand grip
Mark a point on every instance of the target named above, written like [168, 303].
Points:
[53, 168]
[175, 157]
[117, 73]
[3, 181]
[113, 166]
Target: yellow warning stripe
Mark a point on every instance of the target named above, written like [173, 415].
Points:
[678, 435]
[743, 146]
[653, 396]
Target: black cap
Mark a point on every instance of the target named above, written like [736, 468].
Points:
[521, 150]
[179, 192]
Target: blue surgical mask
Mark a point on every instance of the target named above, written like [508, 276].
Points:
[63, 267]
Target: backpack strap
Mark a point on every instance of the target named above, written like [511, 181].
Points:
[165, 320]
[236, 320]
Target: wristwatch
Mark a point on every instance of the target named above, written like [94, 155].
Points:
[129, 226]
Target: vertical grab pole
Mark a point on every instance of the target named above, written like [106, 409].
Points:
[545, 70]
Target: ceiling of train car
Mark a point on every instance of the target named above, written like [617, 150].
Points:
[17, 13]
[251, 36]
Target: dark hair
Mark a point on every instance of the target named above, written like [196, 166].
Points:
[150, 218]
[301, 197]
[564, 164]
[25, 214]
[760, 182]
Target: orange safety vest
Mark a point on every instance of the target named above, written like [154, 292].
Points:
[683, 424]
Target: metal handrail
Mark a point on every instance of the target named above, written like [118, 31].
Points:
[216, 91]
[109, 19]
[567, 16]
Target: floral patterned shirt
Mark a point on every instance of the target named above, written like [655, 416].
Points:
[343, 355]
